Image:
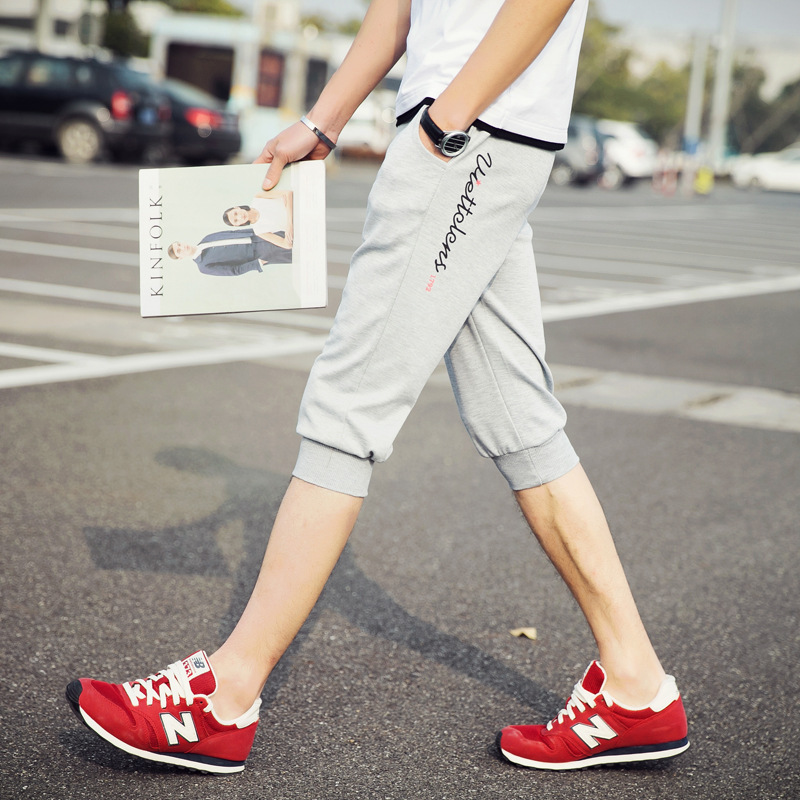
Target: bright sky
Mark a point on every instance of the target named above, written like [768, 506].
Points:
[776, 17]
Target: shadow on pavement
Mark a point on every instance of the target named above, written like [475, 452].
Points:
[253, 499]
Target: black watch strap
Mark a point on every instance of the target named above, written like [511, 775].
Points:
[448, 143]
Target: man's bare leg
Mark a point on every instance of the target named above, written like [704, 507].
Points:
[312, 528]
[567, 519]
[309, 534]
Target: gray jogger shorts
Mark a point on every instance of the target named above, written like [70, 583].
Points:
[446, 268]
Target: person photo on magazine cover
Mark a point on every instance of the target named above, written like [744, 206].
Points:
[267, 212]
[231, 253]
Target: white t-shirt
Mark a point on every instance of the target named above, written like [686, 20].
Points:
[444, 34]
[272, 214]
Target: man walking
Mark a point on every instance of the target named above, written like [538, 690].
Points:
[446, 269]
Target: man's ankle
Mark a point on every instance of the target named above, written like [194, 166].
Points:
[236, 688]
[634, 689]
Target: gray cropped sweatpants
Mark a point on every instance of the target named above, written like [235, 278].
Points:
[446, 268]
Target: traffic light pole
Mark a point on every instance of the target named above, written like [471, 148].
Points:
[720, 103]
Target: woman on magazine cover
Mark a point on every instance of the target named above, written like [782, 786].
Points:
[446, 269]
[267, 212]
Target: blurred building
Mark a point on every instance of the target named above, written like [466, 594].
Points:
[269, 68]
[65, 27]
[266, 65]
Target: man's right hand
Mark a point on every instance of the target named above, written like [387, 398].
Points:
[295, 143]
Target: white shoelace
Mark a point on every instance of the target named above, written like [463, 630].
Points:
[579, 700]
[175, 687]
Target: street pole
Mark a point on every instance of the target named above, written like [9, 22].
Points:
[43, 31]
[692, 127]
[720, 104]
[694, 103]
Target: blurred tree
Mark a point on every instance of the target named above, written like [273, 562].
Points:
[604, 82]
[756, 124]
[606, 87]
[319, 21]
[122, 35]
[220, 8]
[660, 103]
[782, 127]
[349, 27]
[747, 106]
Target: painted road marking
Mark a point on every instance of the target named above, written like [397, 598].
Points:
[46, 354]
[151, 362]
[670, 297]
[129, 300]
[728, 404]
[66, 251]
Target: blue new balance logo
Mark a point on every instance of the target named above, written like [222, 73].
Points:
[599, 729]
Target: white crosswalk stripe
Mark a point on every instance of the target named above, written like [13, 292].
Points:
[591, 261]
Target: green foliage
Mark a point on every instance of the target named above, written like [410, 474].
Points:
[759, 126]
[326, 25]
[319, 21]
[661, 103]
[607, 89]
[221, 8]
[603, 73]
[123, 36]
[350, 27]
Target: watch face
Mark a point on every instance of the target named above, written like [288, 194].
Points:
[453, 143]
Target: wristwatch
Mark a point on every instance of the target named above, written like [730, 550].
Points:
[448, 143]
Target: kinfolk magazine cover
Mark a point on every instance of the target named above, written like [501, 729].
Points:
[211, 241]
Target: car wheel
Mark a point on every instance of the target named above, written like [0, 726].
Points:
[154, 155]
[79, 141]
[562, 174]
[613, 178]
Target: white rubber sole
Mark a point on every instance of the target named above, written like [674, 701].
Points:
[186, 761]
[609, 757]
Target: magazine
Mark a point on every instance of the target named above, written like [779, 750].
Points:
[211, 241]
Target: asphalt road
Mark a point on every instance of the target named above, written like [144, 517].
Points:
[138, 488]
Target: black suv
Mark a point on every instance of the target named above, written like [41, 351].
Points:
[86, 107]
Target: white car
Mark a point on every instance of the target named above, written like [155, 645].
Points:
[372, 126]
[629, 153]
[777, 171]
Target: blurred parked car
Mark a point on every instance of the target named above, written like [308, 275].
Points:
[581, 160]
[777, 171]
[628, 153]
[369, 131]
[202, 129]
[86, 107]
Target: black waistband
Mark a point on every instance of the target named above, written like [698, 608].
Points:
[407, 116]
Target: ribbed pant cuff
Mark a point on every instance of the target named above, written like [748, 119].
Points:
[538, 465]
[333, 469]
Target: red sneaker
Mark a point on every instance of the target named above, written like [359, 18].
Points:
[593, 728]
[168, 717]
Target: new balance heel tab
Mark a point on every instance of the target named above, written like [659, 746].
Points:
[667, 693]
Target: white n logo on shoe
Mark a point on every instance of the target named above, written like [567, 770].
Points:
[599, 729]
[183, 727]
